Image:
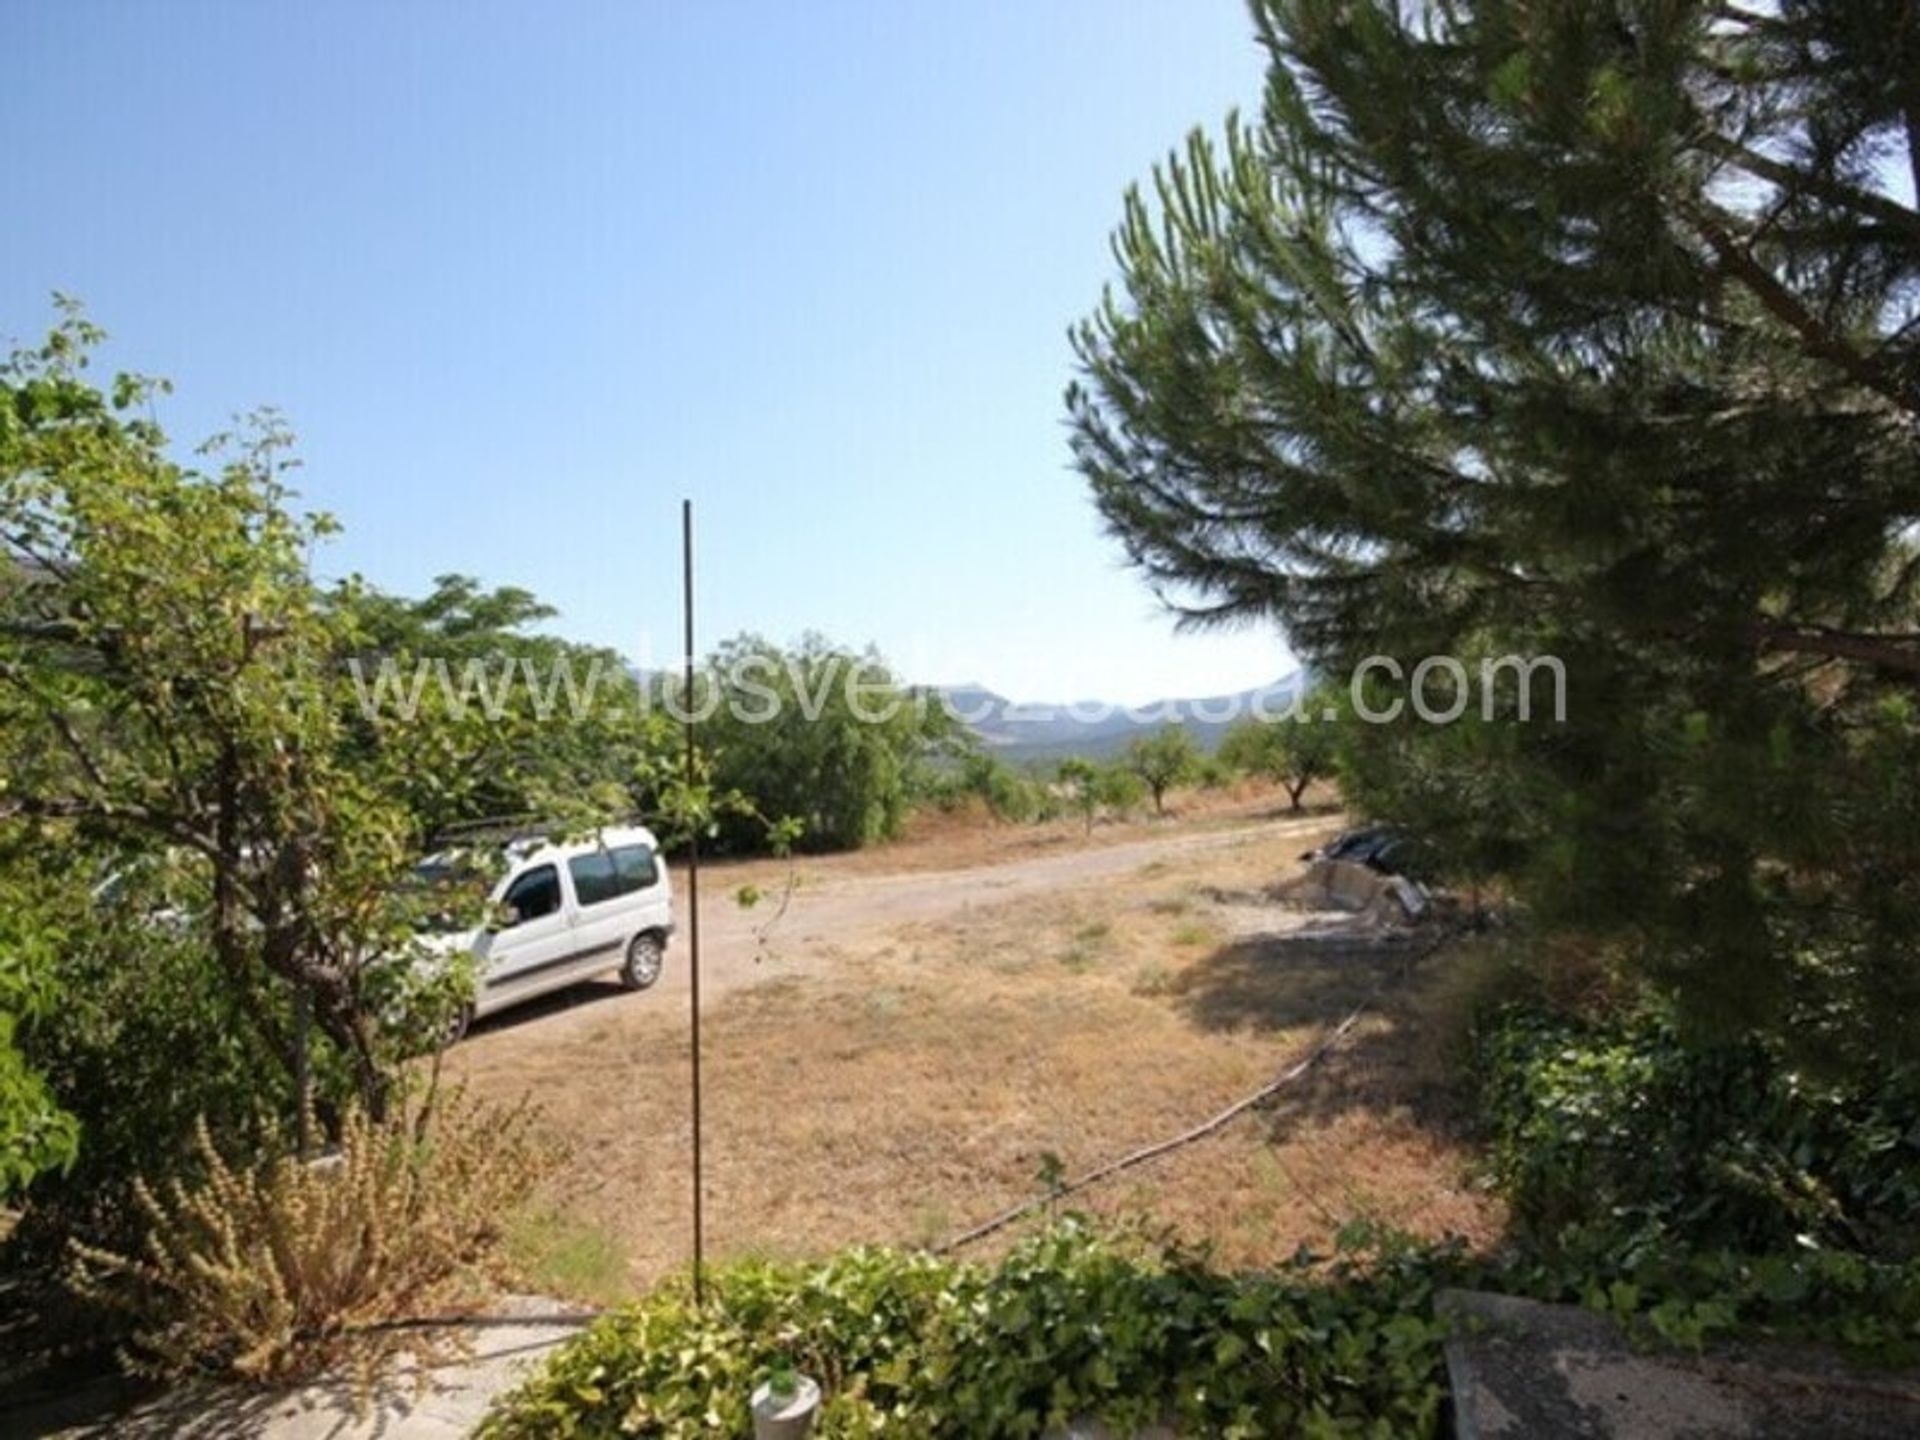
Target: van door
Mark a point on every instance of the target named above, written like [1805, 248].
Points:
[523, 954]
[600, 922]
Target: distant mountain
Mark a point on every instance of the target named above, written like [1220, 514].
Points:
[1096, 729]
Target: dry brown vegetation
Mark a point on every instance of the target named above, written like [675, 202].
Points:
[282, 1267]
[923, 1075]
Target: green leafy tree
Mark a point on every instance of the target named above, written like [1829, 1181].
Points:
[1091, 787]
[1292, 751]
[37, 1133]
[465, 716]
[169, 685]
[1162, 760]
[1586, 331]
[819, 736]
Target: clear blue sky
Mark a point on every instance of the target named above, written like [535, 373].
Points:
[523, 275]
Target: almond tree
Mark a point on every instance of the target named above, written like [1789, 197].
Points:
[1162, 760]
[1291, 750]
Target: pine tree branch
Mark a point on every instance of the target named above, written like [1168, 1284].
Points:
[1795, 181]
[1889, 652]
[1784, 305]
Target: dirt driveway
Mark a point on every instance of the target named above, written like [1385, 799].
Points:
[909, 1051]
[832, 913]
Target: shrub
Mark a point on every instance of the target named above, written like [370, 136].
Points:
[273, 1271]
[1629, 1126]
[146, 1045]
[37, 1134]
[1068, 1324]
[1704, 1191]
[1214, 773]
[1008, 794]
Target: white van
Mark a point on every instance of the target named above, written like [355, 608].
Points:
[567, 912]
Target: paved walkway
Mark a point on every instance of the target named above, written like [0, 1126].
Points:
[454, 1404]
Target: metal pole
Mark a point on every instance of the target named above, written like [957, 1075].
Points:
[693, 906]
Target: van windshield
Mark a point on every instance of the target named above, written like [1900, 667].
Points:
[448, 891]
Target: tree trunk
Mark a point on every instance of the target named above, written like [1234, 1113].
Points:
[351, 1028]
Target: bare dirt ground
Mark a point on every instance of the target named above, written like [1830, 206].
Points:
[930, 1028]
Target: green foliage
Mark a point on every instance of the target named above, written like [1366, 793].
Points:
[170, 687]
[1068, 1325]
[825, 736]
[1119, 788]
[1701, 1192]
[147, 1044]
[1213, 773]
[37, 1133]
[1583, 331]
[1162, 760]
[1008, 794]
[473, 718]
[1481, 813]
[1293, 750]
[1723, 1146]
[1091, 788]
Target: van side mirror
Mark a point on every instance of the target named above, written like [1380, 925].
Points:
[503, 916]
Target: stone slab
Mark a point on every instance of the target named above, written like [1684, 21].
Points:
[1520, 1369]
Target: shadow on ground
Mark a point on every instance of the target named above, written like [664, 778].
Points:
[1282, 982]
[543, 1007]
[1308, 980]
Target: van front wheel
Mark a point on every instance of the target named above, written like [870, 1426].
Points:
[457, 1027]
[644, 957]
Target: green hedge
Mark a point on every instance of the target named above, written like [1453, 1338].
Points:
[1628, 1128]
[1069, 1324]
[1704, 1190]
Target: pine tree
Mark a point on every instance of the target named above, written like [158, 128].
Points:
[1584, 330]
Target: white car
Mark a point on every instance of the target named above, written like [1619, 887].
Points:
[568, 912]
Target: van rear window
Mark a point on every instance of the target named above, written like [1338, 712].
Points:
[636, 866]
[608, 874]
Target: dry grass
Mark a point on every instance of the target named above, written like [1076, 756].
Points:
[918, 1082]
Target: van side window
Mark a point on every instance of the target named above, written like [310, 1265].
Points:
[636, 867]
[609, 874]
[535, 893]
[593, 877]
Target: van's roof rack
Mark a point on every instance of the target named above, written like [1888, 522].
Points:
[504, 830]
[491, 830]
